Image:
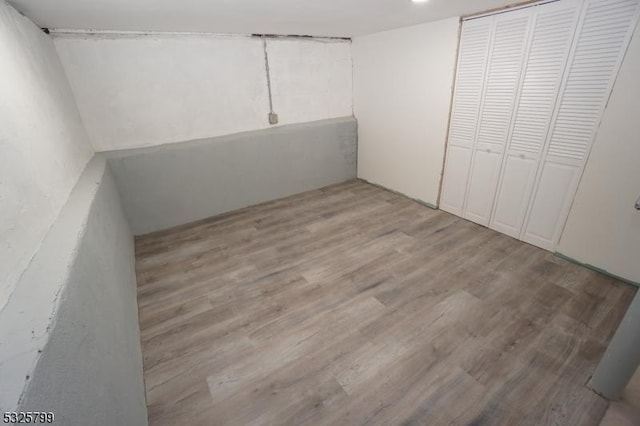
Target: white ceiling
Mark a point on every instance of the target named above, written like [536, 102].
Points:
[339, 18]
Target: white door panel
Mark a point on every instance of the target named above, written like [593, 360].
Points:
[602, 37]
[482, 189]
[558, 183]
[475, 38]
[510, 35]
[503, 76]
[472, 60]
[455, 184]
[553, 32]
[513, 196]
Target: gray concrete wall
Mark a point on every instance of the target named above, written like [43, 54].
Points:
[173, 184]
[82, 358]
[622, 358]
[43, 144]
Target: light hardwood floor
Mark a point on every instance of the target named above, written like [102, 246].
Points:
[352, 305]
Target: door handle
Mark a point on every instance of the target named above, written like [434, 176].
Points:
[638, 204]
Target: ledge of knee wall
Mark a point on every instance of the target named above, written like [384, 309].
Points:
[69, 333]
[173, 184]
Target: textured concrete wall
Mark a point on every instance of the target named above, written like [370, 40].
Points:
[43, 144]
[77, 337]
[622, 358]
[179, 183]
[145, 90]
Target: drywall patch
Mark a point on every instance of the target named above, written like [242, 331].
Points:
[174, 184]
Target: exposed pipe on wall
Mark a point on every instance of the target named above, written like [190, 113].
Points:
[273, 117]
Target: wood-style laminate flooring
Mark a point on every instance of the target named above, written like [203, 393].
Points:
[351, 305]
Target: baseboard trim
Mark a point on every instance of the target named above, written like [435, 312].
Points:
[595, 268]
[393, 191]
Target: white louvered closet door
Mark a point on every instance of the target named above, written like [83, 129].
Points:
[553, 31]
[470, 76]
[531, 88]
[509, 40]
[604, 32]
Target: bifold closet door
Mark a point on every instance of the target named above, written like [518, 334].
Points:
[472, 60]
[489, 68]
[531, 87]
[605, 28]
[553, 31]
[508, 43]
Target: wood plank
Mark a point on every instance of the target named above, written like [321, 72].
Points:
[353, 305]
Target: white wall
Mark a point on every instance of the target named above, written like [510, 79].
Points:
[311, 80]
[402, 96]
[603, 229]
[143, 90]
[43, 144]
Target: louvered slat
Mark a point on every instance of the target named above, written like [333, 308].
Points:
[601, 42]
[474, 42]
[502, 79]
[553, 32]
[472, 58]
[599, 47]
[545, 110]
[503, 76]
